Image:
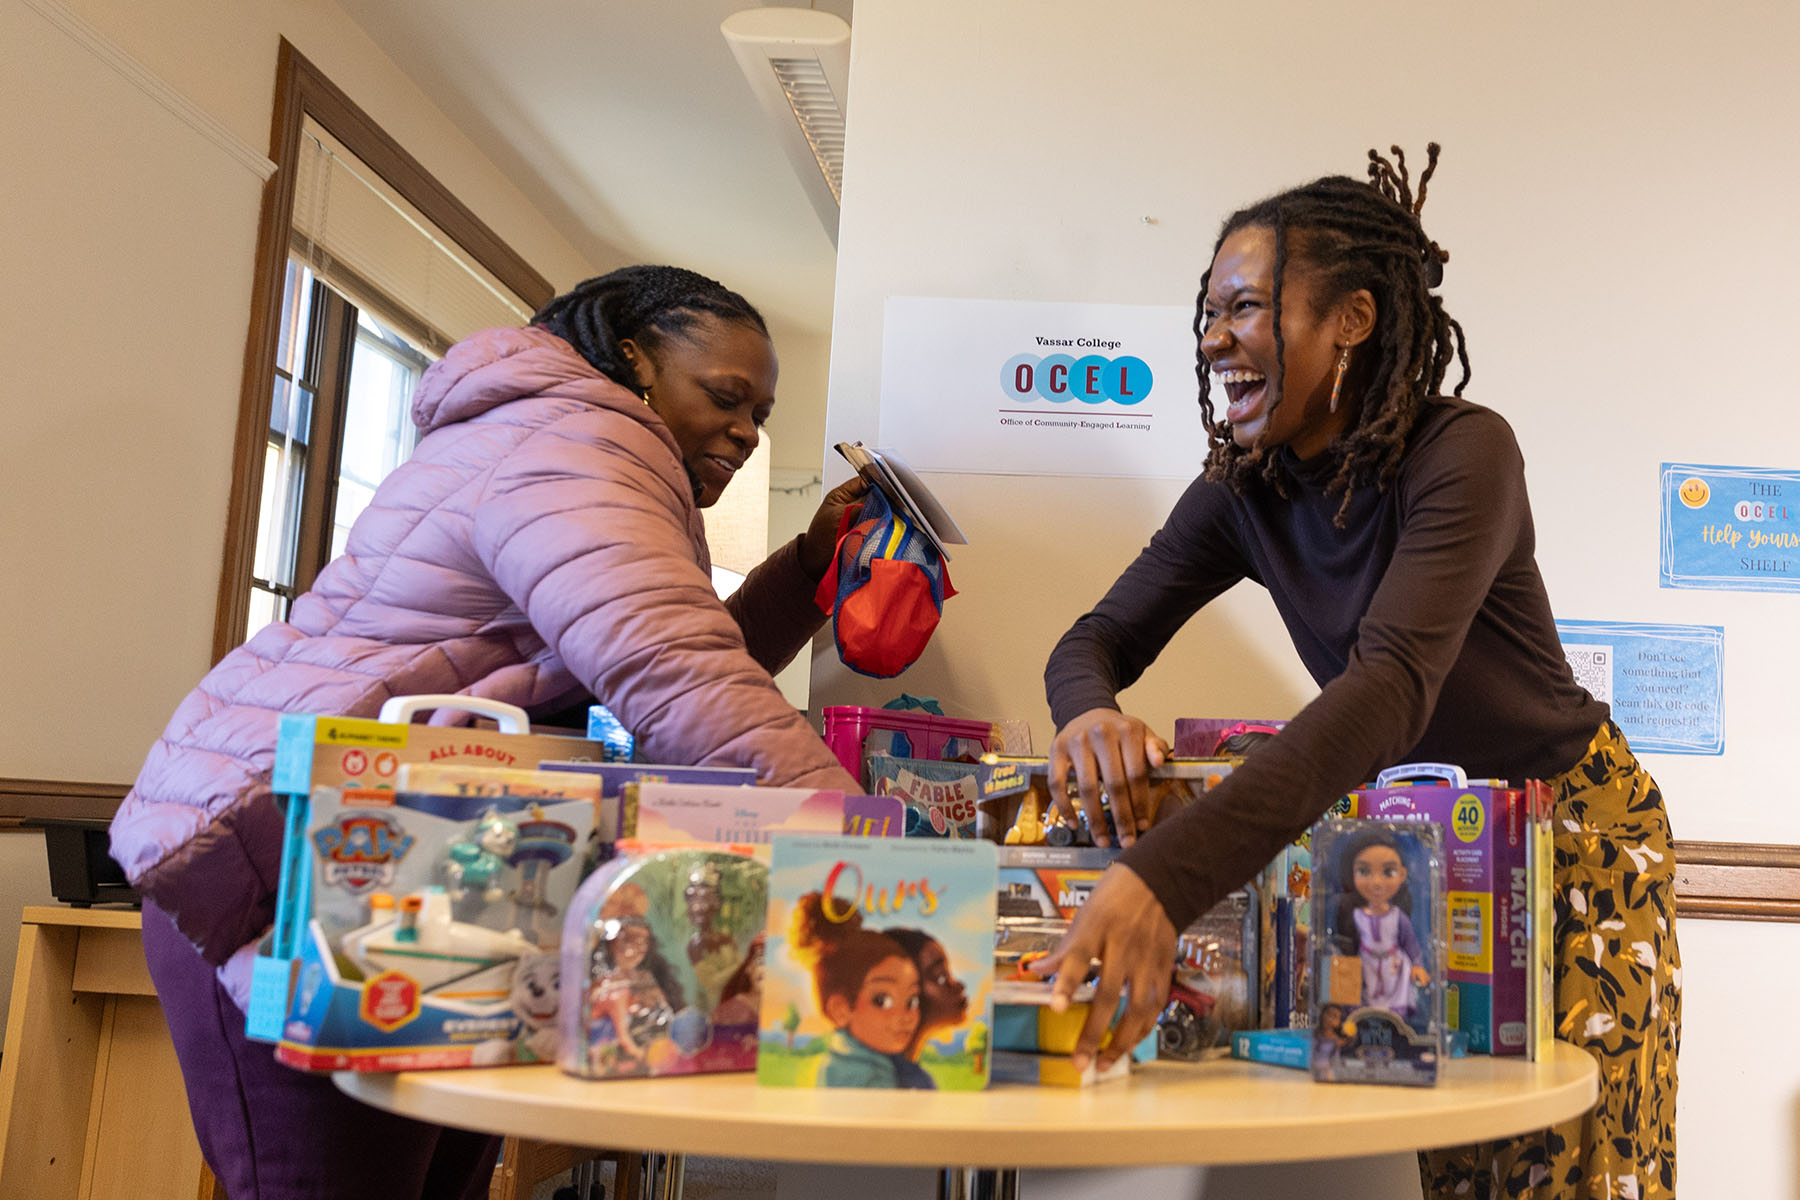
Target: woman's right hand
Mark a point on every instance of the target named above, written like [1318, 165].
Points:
[1107, 750]
[818, 546]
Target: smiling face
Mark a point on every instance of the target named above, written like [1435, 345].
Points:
[713, 384]
[1377, 874]
[884, 1013]
[1238, 315]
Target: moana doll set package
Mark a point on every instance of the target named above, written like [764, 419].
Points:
[662, 963]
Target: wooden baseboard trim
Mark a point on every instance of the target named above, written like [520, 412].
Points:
[25, 798]
[1737, 881]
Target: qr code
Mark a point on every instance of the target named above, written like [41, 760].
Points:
[1593, 667]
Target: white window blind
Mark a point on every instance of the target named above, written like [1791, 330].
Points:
[360, 237]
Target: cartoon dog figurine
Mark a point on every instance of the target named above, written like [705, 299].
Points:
[478, 860]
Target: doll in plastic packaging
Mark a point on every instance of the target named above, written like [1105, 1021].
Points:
[1392, 959]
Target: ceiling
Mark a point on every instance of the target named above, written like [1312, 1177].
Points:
[629, 124]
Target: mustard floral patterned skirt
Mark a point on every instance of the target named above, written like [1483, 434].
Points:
[1618, 996]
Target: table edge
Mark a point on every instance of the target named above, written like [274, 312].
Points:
[435, 1096]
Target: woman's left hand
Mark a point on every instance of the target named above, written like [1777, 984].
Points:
[818, 545]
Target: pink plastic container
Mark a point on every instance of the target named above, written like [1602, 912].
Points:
[848, 725]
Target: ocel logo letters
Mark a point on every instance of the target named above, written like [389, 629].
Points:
[1091, 379]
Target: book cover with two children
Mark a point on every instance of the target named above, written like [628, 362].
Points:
[879, 964]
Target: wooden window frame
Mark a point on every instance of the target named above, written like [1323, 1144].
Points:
[302, 91]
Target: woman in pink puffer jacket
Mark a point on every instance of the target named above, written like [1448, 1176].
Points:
[543, 544]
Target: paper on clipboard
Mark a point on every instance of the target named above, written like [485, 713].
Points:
[906, 493]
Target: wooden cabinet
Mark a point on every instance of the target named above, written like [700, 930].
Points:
[91, 1101]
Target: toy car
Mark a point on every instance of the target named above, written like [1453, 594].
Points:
[1187, 1027]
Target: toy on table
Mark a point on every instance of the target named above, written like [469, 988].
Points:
[1495, 925]
[1212, 995]
[662, 970]
[425, 981]
[1186, 1026]
[478, 859]
[1037, 820]
[1028, 828]
[1378, 924]
[421, 938]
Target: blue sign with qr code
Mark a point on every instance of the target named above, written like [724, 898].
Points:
[1666, 683]
[1730, 528]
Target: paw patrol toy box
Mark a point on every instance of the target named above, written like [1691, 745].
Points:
[1495, 843]
[420, 928]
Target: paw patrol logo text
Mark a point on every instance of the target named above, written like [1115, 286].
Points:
[359, 851]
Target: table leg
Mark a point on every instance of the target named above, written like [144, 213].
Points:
[664, 1176]
[978, 1183]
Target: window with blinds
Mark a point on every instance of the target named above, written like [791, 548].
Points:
[362, 239]
[373, 293]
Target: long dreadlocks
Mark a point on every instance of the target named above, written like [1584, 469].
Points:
[1348, 235]
[644, 304]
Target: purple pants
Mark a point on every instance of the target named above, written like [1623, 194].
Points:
[273, 1133]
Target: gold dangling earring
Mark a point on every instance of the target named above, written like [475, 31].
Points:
[1337, 384]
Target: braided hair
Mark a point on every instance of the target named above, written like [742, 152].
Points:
[1352, 235]
[643, 304]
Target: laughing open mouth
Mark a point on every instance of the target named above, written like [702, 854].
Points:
[1242, 389]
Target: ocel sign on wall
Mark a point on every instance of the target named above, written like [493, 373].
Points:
[1730, 528]
[1009, 387]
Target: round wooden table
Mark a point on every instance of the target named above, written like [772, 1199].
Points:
[1223, 1111]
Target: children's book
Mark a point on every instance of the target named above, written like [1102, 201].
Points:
[874, 816]
[879, 967]
[616, 820]
[686, 812]
[941, 799]
[458, 779]
[906, 494]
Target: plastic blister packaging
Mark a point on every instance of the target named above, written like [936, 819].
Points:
[1378, 951]
[662, 959]
[1213, 994]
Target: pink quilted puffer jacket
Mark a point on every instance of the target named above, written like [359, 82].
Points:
[542, 542]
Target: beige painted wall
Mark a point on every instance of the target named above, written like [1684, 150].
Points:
[1617, 202]
[131, 213]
